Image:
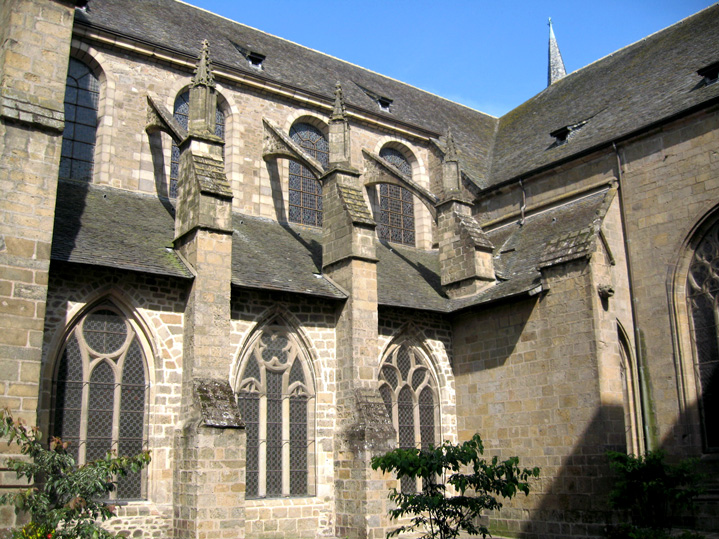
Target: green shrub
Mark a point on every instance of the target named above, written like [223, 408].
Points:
[66, 501]
[648, 493]
[438, 513]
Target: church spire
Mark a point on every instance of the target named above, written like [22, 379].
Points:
[556, 69]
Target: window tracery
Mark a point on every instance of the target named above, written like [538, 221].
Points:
[276, 399]
[409, 392]
[181, 112]
[702, 292]
[100, 391]
[305, 192]
[82, 96]
[396, 221]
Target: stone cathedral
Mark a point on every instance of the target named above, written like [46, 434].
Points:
[267, 265]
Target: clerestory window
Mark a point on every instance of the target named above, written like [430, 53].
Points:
[276, 400]
[396, 221]
[181, 112]
[82, 95]
[703, 304]
[305, 192]
[409, 392]
[100, 391]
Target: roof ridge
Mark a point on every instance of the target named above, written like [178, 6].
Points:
[337, 59]
[640, 41]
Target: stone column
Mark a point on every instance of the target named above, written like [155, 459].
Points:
[349, 258]
[209, 480]
[35, 37]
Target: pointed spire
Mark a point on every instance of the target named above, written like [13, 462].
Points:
[203, 71]
[556, 69]
[451, 150]
[339, 112]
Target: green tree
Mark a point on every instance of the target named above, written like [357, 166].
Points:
[457, 485]
[65, 501]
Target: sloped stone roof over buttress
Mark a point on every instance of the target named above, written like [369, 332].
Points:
[627, 91]
[180, 27]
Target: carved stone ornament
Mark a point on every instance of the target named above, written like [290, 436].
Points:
[203, 71]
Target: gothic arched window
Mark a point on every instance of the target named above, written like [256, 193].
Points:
[276, 400]
[410, 395]
[82, 95]
[100, 390]
[702, 296]
[305, 192]
[181, 111]
[396, 221]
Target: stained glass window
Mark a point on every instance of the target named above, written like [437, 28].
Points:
[82, 95]
[275, 398]
[182, 115]
[305, 192]
[396, 222]
[100, 393]
[702, 296]
[409, 393]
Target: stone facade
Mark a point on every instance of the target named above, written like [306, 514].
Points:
[544, 307]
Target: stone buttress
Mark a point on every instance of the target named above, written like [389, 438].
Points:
[209, 477]
[349, 258]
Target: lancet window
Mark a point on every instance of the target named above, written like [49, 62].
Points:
[702, 292]
[410, 395]
[276, 400]
[305, 192]
[396, 221]
[100, 391]
[82, 95]
[182, 114]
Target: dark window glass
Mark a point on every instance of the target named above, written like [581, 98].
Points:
[82, 95]
[111, 414]
[702, 295]
[396, 222]
[305, 192]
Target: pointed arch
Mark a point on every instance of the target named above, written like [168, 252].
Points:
[275, 390]
[100, 388]
[408, 386]
[633, 421]
[693, 288]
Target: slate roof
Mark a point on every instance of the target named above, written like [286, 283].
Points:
[626, 91]
[112, 228]
[181, 27]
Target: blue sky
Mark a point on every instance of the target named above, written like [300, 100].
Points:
[489, 55]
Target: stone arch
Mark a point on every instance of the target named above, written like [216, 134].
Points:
[306, 116]
[691, 303]
[633, 421]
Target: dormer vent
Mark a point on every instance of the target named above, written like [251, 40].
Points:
[710, 73]
[383, 102]
[254, 58]
[563, 134]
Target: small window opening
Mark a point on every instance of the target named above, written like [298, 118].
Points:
[710, 73]
[256, 59]
[383, 102]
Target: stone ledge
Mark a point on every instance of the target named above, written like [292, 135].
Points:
[20, 109]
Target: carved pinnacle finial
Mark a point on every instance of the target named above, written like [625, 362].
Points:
[339, 112]
[451, 153]
[203, 71]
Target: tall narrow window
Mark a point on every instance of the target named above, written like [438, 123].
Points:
[410, 395]
[276, 398]
[396, 221]
[82, 95]
[100, 391]
[182, 114]
[304, 190]
[702, 296]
